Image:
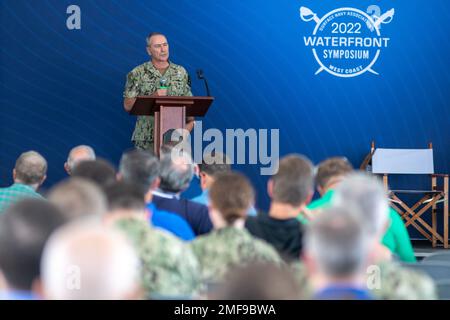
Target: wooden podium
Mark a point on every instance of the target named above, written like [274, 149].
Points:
[170, 112]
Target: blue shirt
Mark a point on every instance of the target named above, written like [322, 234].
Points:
[204, 199]
[170, 222]
[17, 295]
[343, 292]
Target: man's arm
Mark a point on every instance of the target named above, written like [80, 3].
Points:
[128, 103]
[130, 93]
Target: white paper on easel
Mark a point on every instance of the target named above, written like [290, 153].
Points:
[403, 161]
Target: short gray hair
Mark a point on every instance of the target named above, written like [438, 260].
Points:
[73, 158]
[367, 194]
[30, 168]
[79, 198]
[139, 167]
[176, 170]
[153, 34]
[338, 242]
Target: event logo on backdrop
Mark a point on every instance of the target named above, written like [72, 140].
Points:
[346, 42]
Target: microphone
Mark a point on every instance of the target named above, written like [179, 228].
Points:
[163, 83]
[201, 76]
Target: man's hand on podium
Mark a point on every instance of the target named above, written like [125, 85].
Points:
[128, 103]
[161, 92]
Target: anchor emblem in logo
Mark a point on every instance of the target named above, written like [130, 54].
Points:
[346, 42]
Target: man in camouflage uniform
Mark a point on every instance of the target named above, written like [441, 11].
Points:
[169, 269]
[146, 80]
[229, 247]
[386, 280]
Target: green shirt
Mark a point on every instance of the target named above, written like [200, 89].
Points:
[396, 237]
[144, 81]
[14, 193]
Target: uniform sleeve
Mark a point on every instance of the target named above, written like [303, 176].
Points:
[187, 84]
[130, 86]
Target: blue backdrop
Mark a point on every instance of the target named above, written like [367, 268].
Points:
[62, 87]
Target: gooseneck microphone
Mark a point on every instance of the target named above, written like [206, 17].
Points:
[201, 76]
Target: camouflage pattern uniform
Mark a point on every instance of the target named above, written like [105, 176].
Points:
[144, 81]
[395, 283]
[169, 268]
[224, 248]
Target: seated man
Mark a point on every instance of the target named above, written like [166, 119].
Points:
[169, 268]
[176, 173]
[329, 175]
[336, 255]
[99, 171]
[76, 155]
[141, 169]
[211, 166]
[290, 189]
[364, 197]
[208, 169]
[90, 262]
[29, 173]
[230, 244]
[79, 199]
[24, 230]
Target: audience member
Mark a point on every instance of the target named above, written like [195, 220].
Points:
[230, 244]
[89, 262]
[99, 171]
[337, 255]
[329, 175]
[78, 198]
[290, 189]
[213, 164]
[367, 199]
[258, 281]
[141, 168]
[29, 173]
[169, 268]
[176, 173]
[24, 229]
[76, 155]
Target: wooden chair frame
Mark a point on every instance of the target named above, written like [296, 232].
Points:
[413, 215]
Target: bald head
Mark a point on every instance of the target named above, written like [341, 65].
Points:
[30, 169]
[78, 154]
[92, 262]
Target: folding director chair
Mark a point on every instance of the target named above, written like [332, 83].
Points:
[414, 161]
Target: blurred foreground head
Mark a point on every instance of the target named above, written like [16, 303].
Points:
[366, 194]
[24, 229]
[258, 282]
[78, 198]
[336, 245]
[85, 261]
